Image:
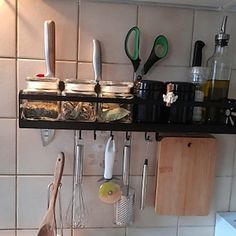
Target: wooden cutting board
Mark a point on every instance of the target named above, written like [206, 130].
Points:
[185, 175]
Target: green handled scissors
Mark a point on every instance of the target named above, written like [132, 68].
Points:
[159, 51]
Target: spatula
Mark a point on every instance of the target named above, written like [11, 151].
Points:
[48, 225]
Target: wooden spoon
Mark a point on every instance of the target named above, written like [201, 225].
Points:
[48, 225]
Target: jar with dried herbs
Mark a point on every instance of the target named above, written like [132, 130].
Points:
[79, 110]
[40, 109]
[115, 112]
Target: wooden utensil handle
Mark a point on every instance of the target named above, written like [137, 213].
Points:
[57, 178]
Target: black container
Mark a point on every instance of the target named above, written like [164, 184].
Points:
[181, 114]
[153, 91]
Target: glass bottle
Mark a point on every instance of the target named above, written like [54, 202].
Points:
[217, 86]
[199, 77]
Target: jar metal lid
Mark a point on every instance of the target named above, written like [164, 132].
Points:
[42, 83]
[150, 85]
[116, 87]
[79, 85]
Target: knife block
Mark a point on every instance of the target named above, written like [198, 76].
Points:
[185, 175]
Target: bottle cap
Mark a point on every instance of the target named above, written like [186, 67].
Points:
[222, 38]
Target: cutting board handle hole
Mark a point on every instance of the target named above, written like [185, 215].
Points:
[189, 144]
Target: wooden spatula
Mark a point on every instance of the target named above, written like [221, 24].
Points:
[48, 225]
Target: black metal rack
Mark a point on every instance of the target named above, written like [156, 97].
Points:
[139, 127]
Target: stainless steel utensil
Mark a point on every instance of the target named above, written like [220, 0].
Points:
[144, 177]
[124, 208]
[47, 135]
[77, 208]
[48, 225]
[144, 185]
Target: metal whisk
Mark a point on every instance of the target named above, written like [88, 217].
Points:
[77, 208]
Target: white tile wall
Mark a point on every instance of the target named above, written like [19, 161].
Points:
[225, 157]
[8, 28]
[116, 72]
[207, 24]
[8, 146]
[21, 151]
[8, 88]
[148, 217]
[7, 232]
[32, 199]
[43, 161]
[109, 24]
[155, 21]
[7, 203]
[30, 25]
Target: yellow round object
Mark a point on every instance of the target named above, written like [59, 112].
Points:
[109, 192]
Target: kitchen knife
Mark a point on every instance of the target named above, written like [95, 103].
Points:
[47, 135]
[97, 65]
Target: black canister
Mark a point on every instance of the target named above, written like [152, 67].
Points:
[180, 113]
[149, 112]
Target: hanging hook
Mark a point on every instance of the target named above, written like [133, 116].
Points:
[157, 136]
[147, 137]
[127, 135]
[111, 134]
[94, 135]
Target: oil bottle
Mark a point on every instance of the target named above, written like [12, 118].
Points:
[217, 85]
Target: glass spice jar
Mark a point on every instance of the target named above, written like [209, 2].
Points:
[36, 109]
[79, 110]
[115, 112]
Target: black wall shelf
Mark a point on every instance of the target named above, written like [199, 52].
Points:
[165, 128]
[139, 127]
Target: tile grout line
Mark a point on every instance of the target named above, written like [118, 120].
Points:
[77, 39]
[192, 37]
[16, 122]
[89, 62]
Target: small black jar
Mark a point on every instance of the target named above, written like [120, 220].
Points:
[149, 112]
[179, 113]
